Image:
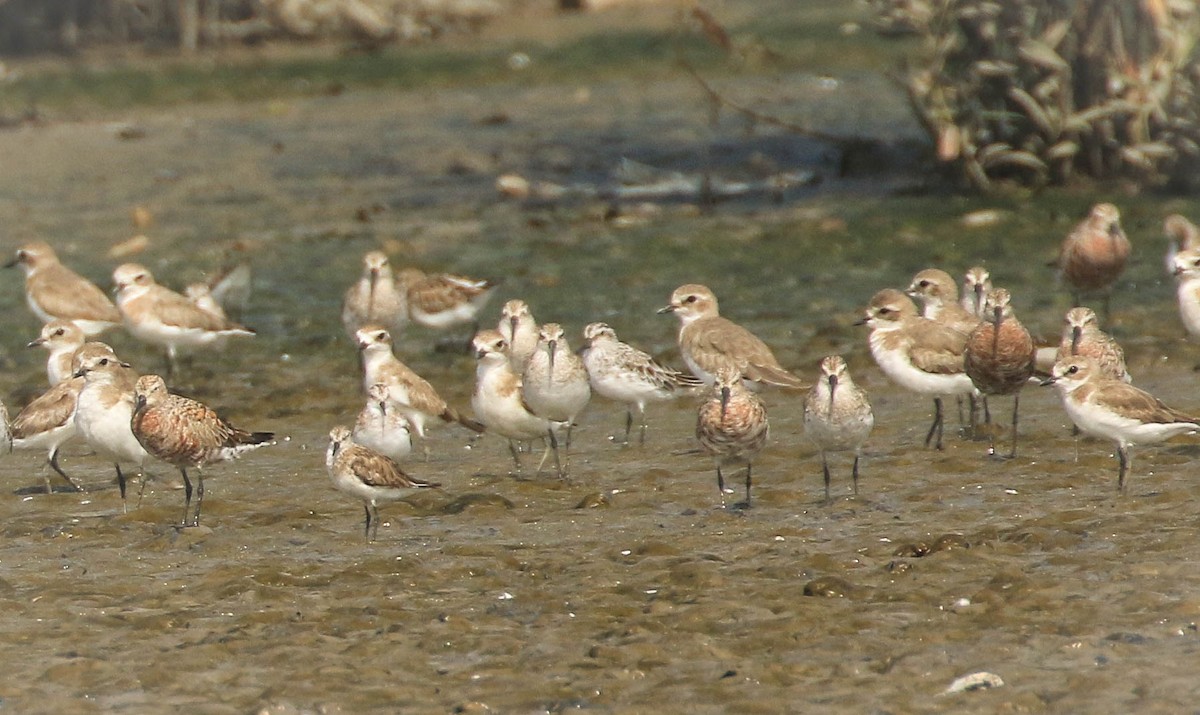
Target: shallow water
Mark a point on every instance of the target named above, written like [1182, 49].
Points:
[626, 587]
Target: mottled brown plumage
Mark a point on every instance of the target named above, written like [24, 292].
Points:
[1082, 336]
[442, 300]
[367, 474]
[186, 433]
[1000, 354]
[1093, 256]
[732, 426]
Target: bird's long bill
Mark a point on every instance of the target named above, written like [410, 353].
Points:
[371, 291]
[862, 321]
[978, 297]
[139, 403]
[666, 309]
[1076, 334]
[833, 383]
[997, 318]
[512, 329]
[552, 346]
[724, 401]
[1048, 381]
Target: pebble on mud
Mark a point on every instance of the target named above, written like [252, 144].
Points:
[829, 587]
[592, 501]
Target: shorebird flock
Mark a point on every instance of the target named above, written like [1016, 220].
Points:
[531, 386]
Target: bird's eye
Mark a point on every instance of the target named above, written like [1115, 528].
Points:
[103, 361]
[884, 311]
[1073, 369]
[59, 331]
[924, 284]
[690, 299]
[501, 344]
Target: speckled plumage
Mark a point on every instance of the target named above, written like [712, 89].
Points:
[623, 373]
[48, 422]
[54, 291]
[1082, 335]
[1093, 255]
[186, 433]
[443, 300]
[367, 474]
[1000, 355]
[837, 415]
[731, 426]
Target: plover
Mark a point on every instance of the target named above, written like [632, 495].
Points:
[497, 400]
[160, 316]
[1182, 235]
[54, 291]
[917, 353]
[61, 338]
[519, 329]
[375, 298]
[1082, 335]
[555, 386]
[709, 342]
[416, 399]
[937, 293]
[1187, 289]
[1000, 355]
[47, 423]
[186, 433]
[630, 376]
[732, 426]
[368, 475]
[1108, 408]
[105, 408]
[837, 416]
[382, 427]
[1093, 255]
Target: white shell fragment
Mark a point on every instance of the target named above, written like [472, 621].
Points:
[975, 681]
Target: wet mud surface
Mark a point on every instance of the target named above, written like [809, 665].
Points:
[625, 588]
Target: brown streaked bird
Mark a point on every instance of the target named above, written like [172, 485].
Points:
[917, 353]
[368, 475]
[1108, 408]
[416, 399]
[443, 300]
[104, 409]
[158, 315]
[1082, 335]
[732, 426]
[54, 291]
[977, 283]
[519, 329]
[1093, 255]
[186, 433]
[1182, 235]
[375, 298]
[837, 416]
[61, 338]
[709, 342]
[1000, 356]
[630, 376]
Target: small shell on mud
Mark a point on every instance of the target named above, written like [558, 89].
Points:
[975, 681]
